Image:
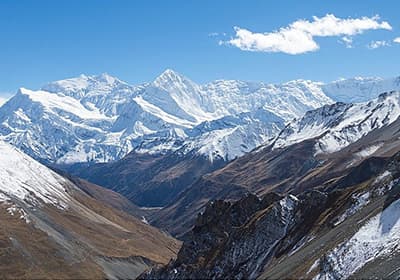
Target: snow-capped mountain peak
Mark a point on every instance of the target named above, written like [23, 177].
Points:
[176, 83]
[106, 78]
[338, 125]
[169, 74]
[184, 92]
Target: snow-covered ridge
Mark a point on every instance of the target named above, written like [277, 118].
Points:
[338, 125]
[58, 103]
[25, 179]
[360, 89]
[101, 118]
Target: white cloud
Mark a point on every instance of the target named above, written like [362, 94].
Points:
[216, 34]
[378, 44]
[348, 41]
[298, 37]
[396, 40]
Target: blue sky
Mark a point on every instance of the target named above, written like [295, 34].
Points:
[42, 41]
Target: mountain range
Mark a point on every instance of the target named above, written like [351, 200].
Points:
[296, 180]
[101, 118]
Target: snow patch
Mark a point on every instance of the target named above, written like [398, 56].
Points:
[144, 220]
[368, 151]
[383, 176]
[14, 210]
[379, 237]
[360, 201]
[313, 266]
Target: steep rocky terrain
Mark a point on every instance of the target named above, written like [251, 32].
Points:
[52, 227]
[344, 224]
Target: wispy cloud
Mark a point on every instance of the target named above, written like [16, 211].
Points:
[348, 41]
[216, 34]
[378, 44]
[397, 40]
[299, 36]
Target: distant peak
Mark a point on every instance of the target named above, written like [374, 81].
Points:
[170, 72]
[301, 81]
[169, 75]
[360, 78]
[79, 86]
[83, 76]
[357, 79]
[22, 90]
[105, 77]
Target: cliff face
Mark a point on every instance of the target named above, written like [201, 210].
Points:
[236, 240]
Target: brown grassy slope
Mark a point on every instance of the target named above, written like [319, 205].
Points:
[89, 239]
[28, 253]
